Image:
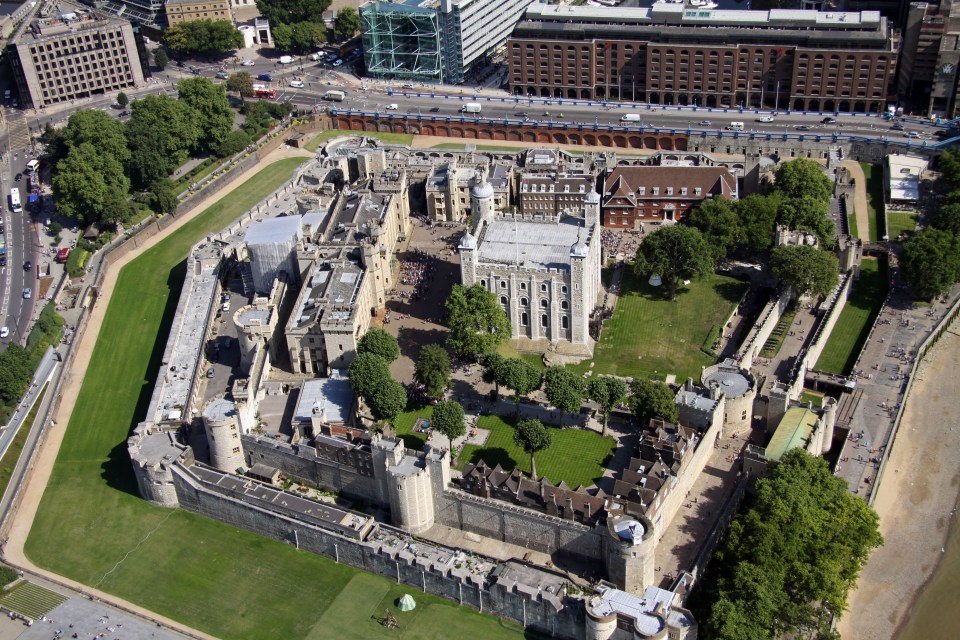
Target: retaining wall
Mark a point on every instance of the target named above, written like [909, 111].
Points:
[768, 319]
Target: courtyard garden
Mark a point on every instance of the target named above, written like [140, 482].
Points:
[650, 336]
[93, 527]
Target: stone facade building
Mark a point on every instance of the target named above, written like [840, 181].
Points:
[449, 183]
[638, 195]
[189, 10]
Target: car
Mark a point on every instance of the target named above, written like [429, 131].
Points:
[246, 63]
[266, 77]
[407, 85]
[222, 75]
[704, 123]
[27, 266]
[804, 127]
[124, 113]
[393, 106]
[4, 332]
[435, 110]
[226, 306]
[828, 120]
[897, 126]
[913, 134]
[3, 229]
[18, 178]
[522, 114]
[211, 372]
[765, 119]
[337, 63]
[27, 293]
[180, 64]
[297, 84]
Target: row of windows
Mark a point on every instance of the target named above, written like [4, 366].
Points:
[544, 321]
[544, 286]
[544, 303]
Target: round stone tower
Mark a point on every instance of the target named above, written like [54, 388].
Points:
[630, 552]
[223, 435]
[482, 202]
[739, 388]
[255, 324]
[601, 622]
[829, 421]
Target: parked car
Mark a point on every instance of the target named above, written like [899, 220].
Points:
[211, 372]
[4, 332]
[225, 307]
[266, 77]
[337, 63]
[247, 63]
[228, 343]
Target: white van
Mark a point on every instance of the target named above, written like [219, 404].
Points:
[296, 84]
[393, 106]
[630, 117]
[765, 119]
[471, 107]
[286, 59]
[316, 56]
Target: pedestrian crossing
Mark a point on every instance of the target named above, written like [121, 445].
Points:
[18, 131]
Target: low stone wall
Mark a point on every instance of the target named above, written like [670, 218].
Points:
[769, 317]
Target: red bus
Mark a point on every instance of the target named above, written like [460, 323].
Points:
[263, 91]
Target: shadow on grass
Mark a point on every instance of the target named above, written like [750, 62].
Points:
[492, 456]
[730, 291]
[117, 470]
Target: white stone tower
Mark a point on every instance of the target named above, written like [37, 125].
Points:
[630, 553]
[411, 494]
[591, 208]
[579, 268]
[829, 420]
[481, 203]
[223, 435]
[468, 259]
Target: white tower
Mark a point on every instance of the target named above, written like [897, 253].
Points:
[223, 435]
[481, 203]
[591, 208]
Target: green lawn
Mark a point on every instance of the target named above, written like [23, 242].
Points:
[780, 332]
[852, 223]
[850, 333]
[9, 460]
[575, 457]
[651, 337]
[388, 138]
[31, 600]
[900, 222]
[874, 175]
[93, 527]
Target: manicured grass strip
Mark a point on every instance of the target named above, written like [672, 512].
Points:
[874, 176]
[650, 336]
[852, 223]
[899, 222]
[853, 326]
[772, 346]
[31, 600]
[386, 137]
[93, 527]
[9, 460]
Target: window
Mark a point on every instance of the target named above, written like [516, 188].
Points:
[543, 303]
[544, 320]
[565, 322]
[524, 321]
[543, 287]
[563, 289]
[524, 302]
[564, 305]
[503, 300]
[503, 284]
[483, 283]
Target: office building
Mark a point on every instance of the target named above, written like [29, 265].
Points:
[189, 10]
[434, 40]
[674, 54]
[69, 51]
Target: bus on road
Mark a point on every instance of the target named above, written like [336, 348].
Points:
[336, 96]
[263, 91]
[15, 205]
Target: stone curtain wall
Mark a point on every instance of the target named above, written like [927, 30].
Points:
[768, 319]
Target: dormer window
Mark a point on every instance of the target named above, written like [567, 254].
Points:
[697, 191]
[683, 191]
[656, 191]
[566, 188]
[669, 191]
[641, 190]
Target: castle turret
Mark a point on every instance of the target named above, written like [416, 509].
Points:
[482, 203]
[411, 494]
[829, 420]
[630, 553]
[601, 620]
[223, 435]
[154, 451]
[591, 208]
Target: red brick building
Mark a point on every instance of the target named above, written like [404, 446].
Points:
[634, 196]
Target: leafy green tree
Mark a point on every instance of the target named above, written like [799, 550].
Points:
[368, 372]
[291, 11]
[802, 178]
[161, 132]
[807, 214]
[521, 377]
[347, 23]
[98, 129]
[91, 186]
[432, 369]
[242, 83]
[165, 195]
[608, 392]
[307, 36]
[388, 400]
[564, 389]
[493, 369]
[204, 37]
[282, 37]
[532, 436]
[161, 59]
[789, 558]
[653, 399]
[807, 269]
[379, 342]
[234, 143]
[122, 99]
[757, 217]
[477, 322]
[931, 262]
[448, 419]
[948, 163]
[209, 102]
[948, 218]
[675, 253]
[719, 224]
[16, 371]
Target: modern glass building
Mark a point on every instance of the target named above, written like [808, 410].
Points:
[434, 40]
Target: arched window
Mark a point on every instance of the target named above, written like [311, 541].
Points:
[503, 284]
[564, 305]
[543, 303]
[524, 302]
[483, 283]
[563, 289]
[503, 300]
[543, 286]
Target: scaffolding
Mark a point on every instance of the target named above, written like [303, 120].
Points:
[402, 41]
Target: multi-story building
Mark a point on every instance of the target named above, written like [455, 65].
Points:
[919, 51]
[550, 194]
[449, 183]
[69, 51]
[675, 54]
[434, 40]
[189, 10]
[638, 195]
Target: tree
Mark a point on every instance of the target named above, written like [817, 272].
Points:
[720, 225]
[161, 59]
[807, 214]
[608, 392]
[242, 83]
[948, 218]
[209, 102]
[160, 133]
[99, 129]
[91, 186]
[122, 99]
[379, 342]
[653, 399]
[235, 142]
[387, 400]
[790, 556]
[307, 36]
[367, 373]
[347, 23]
[432, 369]
[477, 321]
[948, 163]
[282, 37]
[532, 436]
[290, 11]
[931, 262]
[801, 178]
[165, 194]
[807, 269]
[564, 389]
[493, 369]
[674, 253]
[204, 37]
[521, 377]
[448, 419]
[757, 217]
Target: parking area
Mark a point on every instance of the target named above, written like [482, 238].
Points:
[222, 352]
